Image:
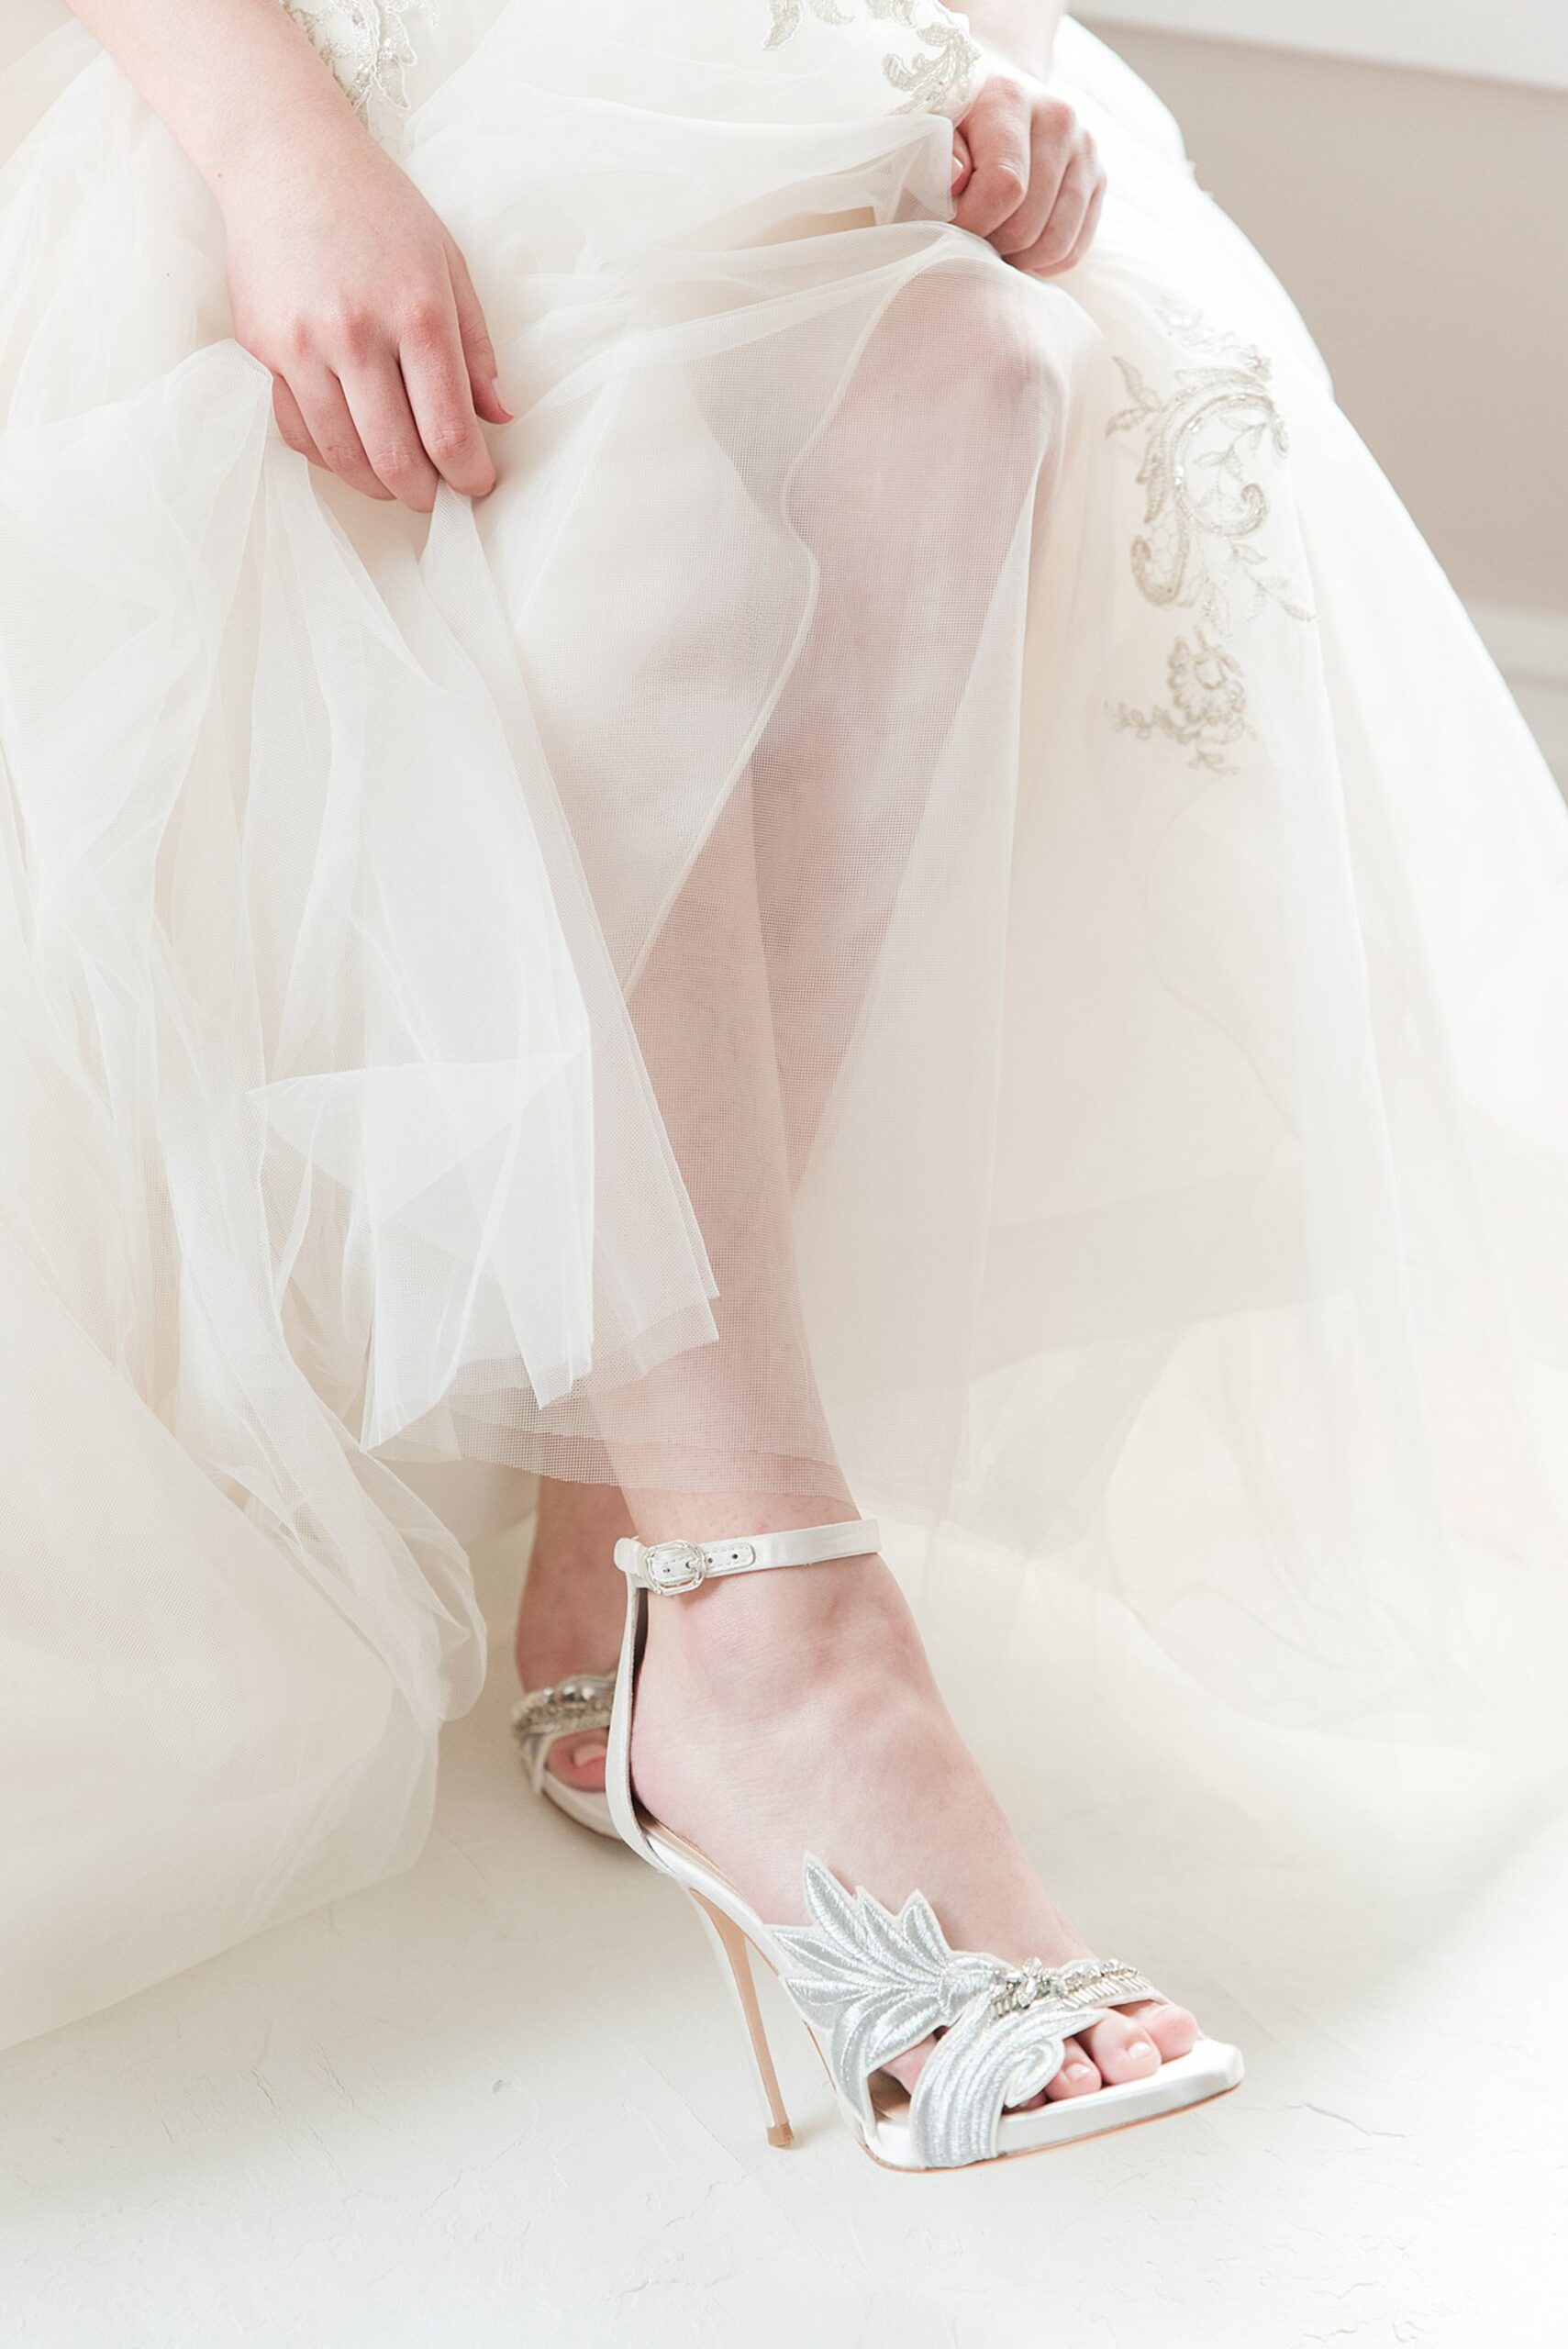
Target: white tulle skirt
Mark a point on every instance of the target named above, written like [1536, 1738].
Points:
[936, 882]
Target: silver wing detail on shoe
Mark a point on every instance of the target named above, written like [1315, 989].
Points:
[874, 1985]
[986, 2063]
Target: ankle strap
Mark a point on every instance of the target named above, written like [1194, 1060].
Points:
[680, 1566]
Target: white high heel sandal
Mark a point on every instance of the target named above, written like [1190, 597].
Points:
[541, 1715]
[870, 1986]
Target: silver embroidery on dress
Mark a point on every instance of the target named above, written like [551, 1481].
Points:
[367, 44]
[874, 1986]
[1206, 711]
[940, 70]
[1201, 549]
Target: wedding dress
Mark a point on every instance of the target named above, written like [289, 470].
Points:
[1024, 706]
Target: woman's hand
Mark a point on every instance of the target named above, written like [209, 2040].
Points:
[1029, 178]
[344, 283]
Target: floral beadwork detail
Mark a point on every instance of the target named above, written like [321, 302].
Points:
[1201, 548]
[941, 69]
[1207, 709]
[367, 44]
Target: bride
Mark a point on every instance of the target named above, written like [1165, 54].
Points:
[718, 777]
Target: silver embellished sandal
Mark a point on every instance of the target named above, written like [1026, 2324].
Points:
[870, 1986]
[572, 1707]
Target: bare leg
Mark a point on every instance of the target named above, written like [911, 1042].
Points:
[841, 770]
[797, 1711]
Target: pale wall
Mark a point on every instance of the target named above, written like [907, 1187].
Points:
[1420, 221]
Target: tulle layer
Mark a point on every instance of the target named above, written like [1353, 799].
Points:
[936, 883]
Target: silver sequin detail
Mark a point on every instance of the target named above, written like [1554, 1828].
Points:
[873, 1986]
[940, 72]
[367, 44]
[582, 1703]
[1202, 547]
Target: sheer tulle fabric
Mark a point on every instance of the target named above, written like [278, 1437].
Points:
[936, 883]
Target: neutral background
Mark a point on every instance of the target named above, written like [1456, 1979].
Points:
[1419, 218]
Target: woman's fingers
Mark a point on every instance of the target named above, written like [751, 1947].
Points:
[333, 434]
[292, 425]
[997, 130]
[1073, 219]
[1088, 233]
[378, 401]
[478, 351]
[392, 424]
[1052, 130]
[440, 398]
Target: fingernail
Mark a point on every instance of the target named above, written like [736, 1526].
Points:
[501, 399]
[590, 1749]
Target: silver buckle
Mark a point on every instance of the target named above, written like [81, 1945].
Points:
[674, 1566]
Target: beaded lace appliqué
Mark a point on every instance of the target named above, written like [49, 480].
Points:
[941, 69]
[1201, 548]
[367, 44]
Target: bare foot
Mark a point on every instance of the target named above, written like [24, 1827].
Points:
[572, 1605]
[781, 1713]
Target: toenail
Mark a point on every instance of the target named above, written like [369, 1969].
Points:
[1078, 2073]
[1141, 2047]
[589, 1749]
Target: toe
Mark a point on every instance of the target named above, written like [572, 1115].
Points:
[580, 1761]
[1173, 2029]
[1122, 2048]
[1078, 2076]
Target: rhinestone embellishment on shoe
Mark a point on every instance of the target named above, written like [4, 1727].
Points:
[1083, 1982]
[581, 1702]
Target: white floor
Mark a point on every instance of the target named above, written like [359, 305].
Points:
[497, 2102]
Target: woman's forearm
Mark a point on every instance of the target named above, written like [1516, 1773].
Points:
[237, 82]
[1022, 31]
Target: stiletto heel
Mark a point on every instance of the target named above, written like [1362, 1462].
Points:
[732, 1952]
[869, 1986]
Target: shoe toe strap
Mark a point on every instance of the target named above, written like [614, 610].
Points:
[583, 1701]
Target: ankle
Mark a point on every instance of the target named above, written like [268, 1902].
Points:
[578, 1523]
[843, 1624]
[718, 1517]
